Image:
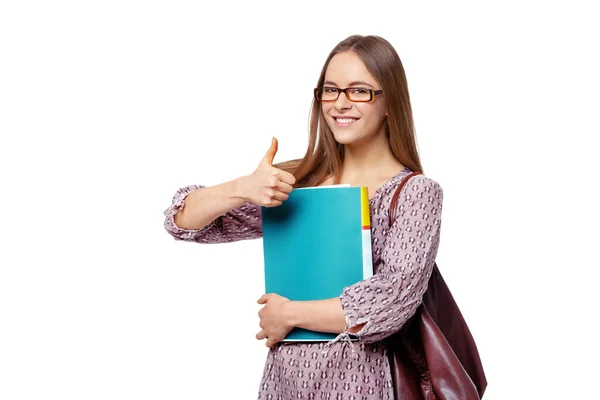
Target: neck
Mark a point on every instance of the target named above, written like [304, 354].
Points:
[372, 158]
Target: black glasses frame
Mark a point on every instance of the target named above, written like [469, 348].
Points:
[372, 93]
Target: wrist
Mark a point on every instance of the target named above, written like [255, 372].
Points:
[239, 188]
[293, 313]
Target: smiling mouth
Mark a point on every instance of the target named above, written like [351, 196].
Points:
[344, 121]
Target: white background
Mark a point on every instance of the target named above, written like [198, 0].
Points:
[107, 108]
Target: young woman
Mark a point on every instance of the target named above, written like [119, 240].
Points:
[361, 133]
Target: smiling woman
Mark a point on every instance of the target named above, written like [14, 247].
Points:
[361, 133]
[361, 117]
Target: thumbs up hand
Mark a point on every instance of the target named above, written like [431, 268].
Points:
[267, 186]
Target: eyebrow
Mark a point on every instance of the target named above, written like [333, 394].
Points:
[352, 84]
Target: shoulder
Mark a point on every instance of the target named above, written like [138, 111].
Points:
[415, 194]
[421, 185]
[420, 194]
[408, 186]
[417, 203]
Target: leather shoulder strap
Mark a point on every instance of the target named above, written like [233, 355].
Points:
[394, 203]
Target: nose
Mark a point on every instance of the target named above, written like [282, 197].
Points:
[342, 103]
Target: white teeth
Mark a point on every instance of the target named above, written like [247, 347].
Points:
[345, 120]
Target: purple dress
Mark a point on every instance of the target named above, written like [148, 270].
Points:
[403, 258]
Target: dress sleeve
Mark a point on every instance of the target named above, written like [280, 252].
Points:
[387, 300]
[241, 223]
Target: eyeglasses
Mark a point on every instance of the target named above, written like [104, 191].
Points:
[356, 94]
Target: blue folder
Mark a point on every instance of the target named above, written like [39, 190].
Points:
[315, 244]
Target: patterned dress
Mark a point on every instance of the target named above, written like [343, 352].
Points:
[403, 258]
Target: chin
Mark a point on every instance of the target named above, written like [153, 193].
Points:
[343, 137]
[347, 138]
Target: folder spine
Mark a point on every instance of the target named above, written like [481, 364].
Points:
[366, 233]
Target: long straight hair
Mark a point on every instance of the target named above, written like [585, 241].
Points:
[324, 155]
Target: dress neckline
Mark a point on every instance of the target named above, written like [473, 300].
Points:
[387, 183]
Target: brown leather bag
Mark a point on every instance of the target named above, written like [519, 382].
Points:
[434, 356]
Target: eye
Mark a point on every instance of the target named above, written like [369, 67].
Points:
[360, 91]
[330, 90]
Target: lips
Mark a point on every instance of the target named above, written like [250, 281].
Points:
[345, 121]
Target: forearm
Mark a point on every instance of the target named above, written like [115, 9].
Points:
[204, 205]
[320, 315]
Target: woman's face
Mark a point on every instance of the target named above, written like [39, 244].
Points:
[353, 122]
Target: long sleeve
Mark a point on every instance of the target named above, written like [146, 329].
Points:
[387, 300]
[241, 223]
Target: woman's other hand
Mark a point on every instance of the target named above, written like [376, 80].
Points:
[267, 186]
[276, 319]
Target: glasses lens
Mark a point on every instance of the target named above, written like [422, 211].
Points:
[328, 93]
[359, 94]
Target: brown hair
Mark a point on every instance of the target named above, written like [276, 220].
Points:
[324, 155]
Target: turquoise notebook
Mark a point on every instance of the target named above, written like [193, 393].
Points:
[315, 244]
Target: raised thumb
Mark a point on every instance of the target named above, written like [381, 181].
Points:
[268, 158]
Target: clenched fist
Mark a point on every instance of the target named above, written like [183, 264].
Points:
[267, 186]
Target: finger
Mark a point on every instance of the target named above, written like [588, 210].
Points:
[272, 341]
[273, 203]
[280, 196]
[268, 158]
[263, 299]
[283, 176]
[261, 335]
[287, 177]
[269, 199]
[273, 179]
[284, 187]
